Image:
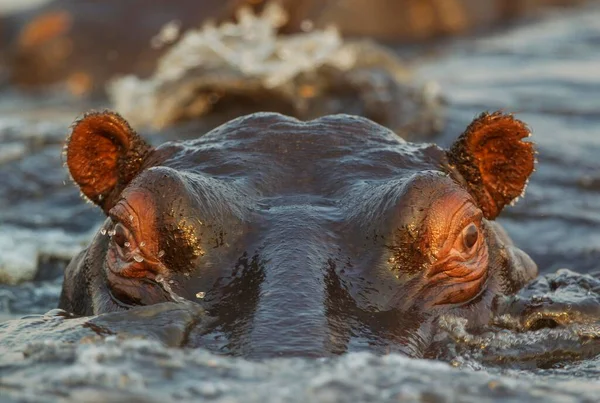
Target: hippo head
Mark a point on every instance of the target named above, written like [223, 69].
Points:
[301, 237]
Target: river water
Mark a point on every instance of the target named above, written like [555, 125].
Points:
[547, 72]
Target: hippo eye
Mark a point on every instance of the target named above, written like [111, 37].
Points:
[120, 236]
[470, 236]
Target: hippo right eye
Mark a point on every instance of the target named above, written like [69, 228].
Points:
[120, 236]
[470, 235]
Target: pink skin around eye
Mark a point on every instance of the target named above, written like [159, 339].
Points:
[133, 253]
[133, 264]
[458, 252]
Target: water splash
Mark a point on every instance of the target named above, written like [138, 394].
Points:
[251, 48]
[301, 73]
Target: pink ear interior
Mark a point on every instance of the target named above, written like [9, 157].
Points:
[494, 160]
[103, 155]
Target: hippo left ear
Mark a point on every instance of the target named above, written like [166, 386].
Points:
[494, 160]
[103, 155]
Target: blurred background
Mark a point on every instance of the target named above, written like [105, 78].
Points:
[177, 68]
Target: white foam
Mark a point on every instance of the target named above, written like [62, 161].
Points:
[250, 48]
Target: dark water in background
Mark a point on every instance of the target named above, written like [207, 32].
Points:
[547, 72]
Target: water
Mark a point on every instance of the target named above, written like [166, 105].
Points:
[544, 344]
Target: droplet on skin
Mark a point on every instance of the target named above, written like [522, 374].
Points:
[138, 259]
[307, 25]
[200, 295]
[127, 244]
[103, 231]
[143, 244]
[161, 253]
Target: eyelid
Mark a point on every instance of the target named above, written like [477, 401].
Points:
[117, 217]
[466, 215]
[116, 221]
[127, 232]
[470, 214]
[122, 214]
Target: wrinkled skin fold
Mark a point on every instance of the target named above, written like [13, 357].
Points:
[301, 238]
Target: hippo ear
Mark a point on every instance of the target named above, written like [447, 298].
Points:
[494, 160]
[103, 155]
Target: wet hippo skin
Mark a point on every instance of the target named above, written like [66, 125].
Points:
[301, 238]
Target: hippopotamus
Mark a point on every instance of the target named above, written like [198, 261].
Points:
[306, 238]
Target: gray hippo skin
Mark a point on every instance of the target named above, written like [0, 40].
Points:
[301, 238]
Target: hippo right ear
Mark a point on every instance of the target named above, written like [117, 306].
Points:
[494, 160]
[103, 155]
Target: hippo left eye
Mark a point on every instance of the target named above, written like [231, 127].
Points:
[121, 236]
[470, 235]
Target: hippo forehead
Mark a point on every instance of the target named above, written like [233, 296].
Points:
[273, 155]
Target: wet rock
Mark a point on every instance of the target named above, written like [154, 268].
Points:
[217, 73]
